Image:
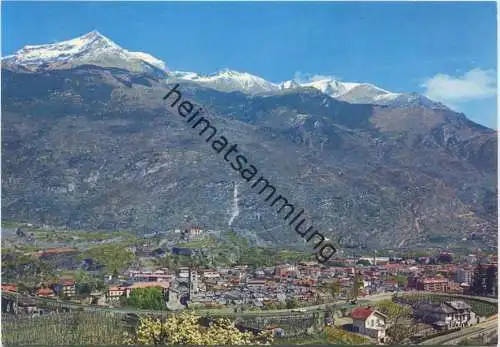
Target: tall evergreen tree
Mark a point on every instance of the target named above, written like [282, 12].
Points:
[478, 286]
[491, 272]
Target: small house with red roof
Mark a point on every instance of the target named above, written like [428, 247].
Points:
[68, 287]
[370, 322]
[9, 287]
[115, 293]
[45, 292]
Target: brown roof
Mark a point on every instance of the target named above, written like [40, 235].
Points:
[44, 292]
[116, 289]
[9, 287]
[149, 285]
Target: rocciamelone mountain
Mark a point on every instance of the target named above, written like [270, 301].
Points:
[88, 143]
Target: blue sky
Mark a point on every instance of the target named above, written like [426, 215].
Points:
[444, 50]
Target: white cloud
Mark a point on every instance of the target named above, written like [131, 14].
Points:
[473, 85]
[301, 77]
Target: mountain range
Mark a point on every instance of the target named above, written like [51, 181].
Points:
[88, 143]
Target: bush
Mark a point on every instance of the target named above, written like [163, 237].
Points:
[184, 328]
[340, 336]
[147, 298]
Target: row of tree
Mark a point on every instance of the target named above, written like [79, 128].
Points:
[484, 281]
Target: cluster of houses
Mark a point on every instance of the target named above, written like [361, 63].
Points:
[258, 286]
[445, 315]
[227, 286]
[64, 287]
[267, 286]
[303, 281]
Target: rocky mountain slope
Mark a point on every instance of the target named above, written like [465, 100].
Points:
[90, 145]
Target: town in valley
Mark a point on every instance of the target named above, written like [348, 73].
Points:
[364, 294]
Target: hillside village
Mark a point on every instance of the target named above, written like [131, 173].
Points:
[187, 279]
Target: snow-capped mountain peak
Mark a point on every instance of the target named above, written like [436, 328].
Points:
[288, 85]
[362, 93]
[229, 81]
[92, 48]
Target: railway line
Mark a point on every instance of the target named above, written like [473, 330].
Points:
[454, 338]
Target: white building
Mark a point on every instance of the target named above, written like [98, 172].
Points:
[194, 279]
[211, 274]
[370, 322]
[375, 260]
[195, 231]
[470, 259]
[183, 272]
[464, 275]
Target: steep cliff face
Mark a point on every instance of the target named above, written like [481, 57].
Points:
[93, 147]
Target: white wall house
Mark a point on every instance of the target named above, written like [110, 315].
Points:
[369, 322]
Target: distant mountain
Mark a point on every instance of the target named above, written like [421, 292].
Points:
[89, 49]
[95, 49]
[92, 146]
[230, 81]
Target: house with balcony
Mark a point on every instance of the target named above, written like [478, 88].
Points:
[68, 287]
[370, 322]
[114, 293]
[445, 315]
[45, 292]
[439, 285]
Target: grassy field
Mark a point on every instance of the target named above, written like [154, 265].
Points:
[204, 242]
[55, 235]
[331, 335]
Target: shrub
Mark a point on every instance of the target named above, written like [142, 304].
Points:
[184, 328]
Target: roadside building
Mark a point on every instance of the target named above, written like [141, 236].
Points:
[464, 275]
[438, 285]
[210, 274]
[9, 287]
[194, 231]
[45, 292]
[114, 293]
[445, 315]
[68, 287]
[370, 322]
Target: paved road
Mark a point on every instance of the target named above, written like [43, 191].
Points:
[229, 311]
[454, 338]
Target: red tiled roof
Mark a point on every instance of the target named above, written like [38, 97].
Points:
[55, 251]
[44, 292]
[67, 282]
[114, 289]
[9, 287]
[150, 284]
[361, 313]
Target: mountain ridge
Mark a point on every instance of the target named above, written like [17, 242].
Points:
[106, 53]
[94, 147]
